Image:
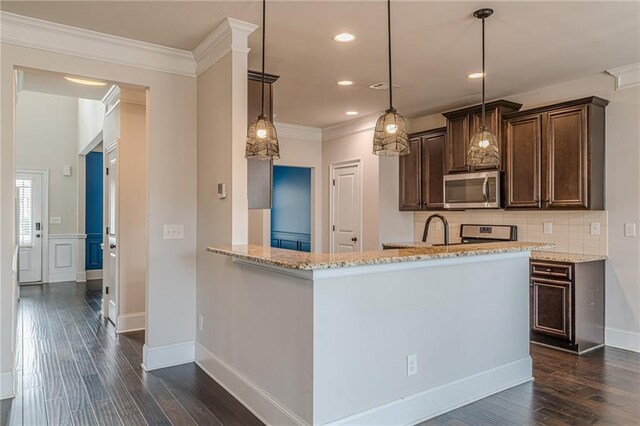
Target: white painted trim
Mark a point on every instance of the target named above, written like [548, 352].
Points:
[264, 406]
[6, 385]
[131, 322]
[167, 356]
[294, 131]
[622, 339]
[406, 265]
[351, 127]
[230, 35]
[436, 401]
[38, 34]
[627, 76]
[67, 236]
[81, 276]
[332, 168]
[94, 274]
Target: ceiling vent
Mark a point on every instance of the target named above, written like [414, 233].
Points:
[382, 86]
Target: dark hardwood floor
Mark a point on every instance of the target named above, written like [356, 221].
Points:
[74, 369]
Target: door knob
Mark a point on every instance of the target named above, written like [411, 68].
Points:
[112, 246]
[37, 235]
[354, 239]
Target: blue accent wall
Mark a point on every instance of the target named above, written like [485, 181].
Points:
[291, 210]
[94, 210]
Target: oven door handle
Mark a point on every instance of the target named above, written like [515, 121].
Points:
[485, 188]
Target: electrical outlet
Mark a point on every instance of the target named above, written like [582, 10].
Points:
[438, 225]
[200, 322]
[629, 229]
[412, 364]
[595, 228]
[173, 232]
[548, 228]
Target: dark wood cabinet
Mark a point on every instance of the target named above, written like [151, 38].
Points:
[463, 123]
[259, 172]
[422, 171]
[555, 156]
[567, 304]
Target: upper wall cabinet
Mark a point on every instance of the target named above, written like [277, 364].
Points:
[421, 171]
[259, 172]
[463, 123]
[555, 156]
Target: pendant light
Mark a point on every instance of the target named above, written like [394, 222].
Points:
[262, 138]
[483, 146]
[390, 136]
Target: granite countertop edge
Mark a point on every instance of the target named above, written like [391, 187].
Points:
[311, 261]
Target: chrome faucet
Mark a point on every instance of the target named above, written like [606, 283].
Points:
[446, 228]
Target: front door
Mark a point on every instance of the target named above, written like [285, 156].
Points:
[111, 219]
[346, 215]
[29, 226]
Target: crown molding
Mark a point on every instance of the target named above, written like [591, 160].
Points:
[627, 76]
[295, 131]
[230, 35]
[38, 34]
[350, 127]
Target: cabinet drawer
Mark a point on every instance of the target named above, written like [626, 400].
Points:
[551, 270]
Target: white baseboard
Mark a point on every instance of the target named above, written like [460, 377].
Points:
[622, 339]
[94, 274]
[60, 277]
[167, 356]
[6, 385]
[254, 398]
[81, 276]
[131, 322]
[434, 402]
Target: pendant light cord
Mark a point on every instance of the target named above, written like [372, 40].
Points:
[264, 13]
[389, 41]
[484, 124]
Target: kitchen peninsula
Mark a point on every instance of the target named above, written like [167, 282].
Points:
[378, 337]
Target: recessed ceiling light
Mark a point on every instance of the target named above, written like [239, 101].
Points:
[352, 113]
[345, 83]
[476, 75]
[85, 81]
[344, 37]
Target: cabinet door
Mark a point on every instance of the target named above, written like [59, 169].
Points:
[410, 172]
[259, 172]
[551, 308]
[433, 170]
[566, 159]
[457, 144]
[522, 169]
[492, 123]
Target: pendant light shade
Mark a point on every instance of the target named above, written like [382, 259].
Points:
[390, 136]
[262, 137]
[483, 146]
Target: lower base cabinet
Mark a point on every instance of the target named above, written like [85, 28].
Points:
[567, 304]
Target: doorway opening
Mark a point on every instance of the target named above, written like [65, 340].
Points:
[291, 208]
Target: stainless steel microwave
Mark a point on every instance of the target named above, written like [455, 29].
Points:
[479, 190]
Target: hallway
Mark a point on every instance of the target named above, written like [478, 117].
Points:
[74, 369]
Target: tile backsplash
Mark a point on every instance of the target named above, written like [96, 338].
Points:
[571, 230]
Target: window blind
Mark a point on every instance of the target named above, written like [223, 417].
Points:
[25, 212]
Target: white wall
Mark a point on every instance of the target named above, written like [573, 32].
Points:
[622, 193]
[171, 192]
[90, 118]
[46, 138]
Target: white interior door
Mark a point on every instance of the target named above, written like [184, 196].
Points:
[346, 205]
[29, 224]
[111, 220]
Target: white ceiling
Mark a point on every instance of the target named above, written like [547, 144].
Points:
[436, 44]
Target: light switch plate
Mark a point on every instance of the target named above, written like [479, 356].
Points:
[548, 228]
[173, 232]
[629, 229]
[412, 364]
[55, 220]
[595, 228]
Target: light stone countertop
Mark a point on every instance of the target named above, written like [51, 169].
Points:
[566, 257]
[311, 261]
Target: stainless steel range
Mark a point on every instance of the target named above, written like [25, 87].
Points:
[474, 234]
